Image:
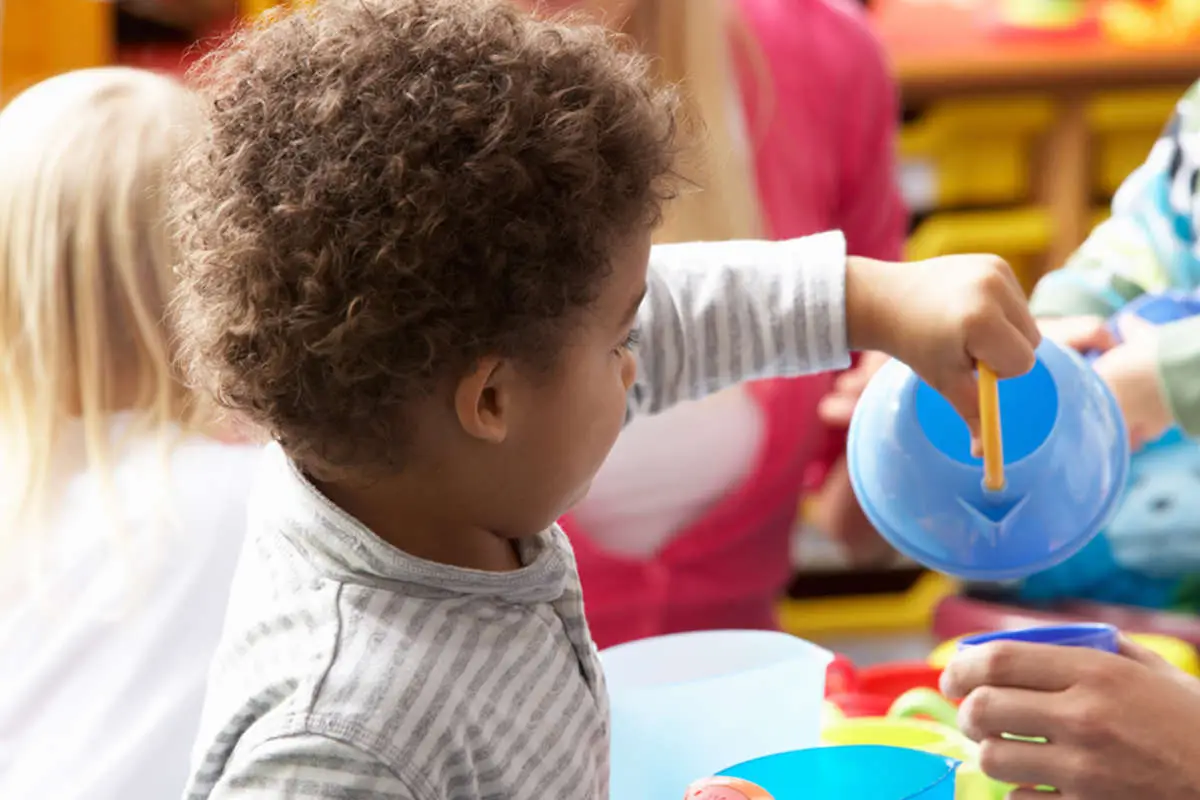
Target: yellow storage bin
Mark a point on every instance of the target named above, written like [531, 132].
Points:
[1125, 126]
[912, 610]
[972, 152]
[1018, 235]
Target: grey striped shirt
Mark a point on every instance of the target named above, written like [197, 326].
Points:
[351, 670]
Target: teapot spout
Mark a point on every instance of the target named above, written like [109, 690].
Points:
[993, 516]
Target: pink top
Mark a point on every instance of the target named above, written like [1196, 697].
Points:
[822, 144]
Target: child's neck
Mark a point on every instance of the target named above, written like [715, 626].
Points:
[421, 521]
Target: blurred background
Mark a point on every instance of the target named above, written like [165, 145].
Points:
[1017, 121]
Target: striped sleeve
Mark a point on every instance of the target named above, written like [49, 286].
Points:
[717, 314]
[1149, 244]
[309, 767]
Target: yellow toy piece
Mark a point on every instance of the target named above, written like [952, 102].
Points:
[1174, 651]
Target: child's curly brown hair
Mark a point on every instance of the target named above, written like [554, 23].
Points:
[391, 189]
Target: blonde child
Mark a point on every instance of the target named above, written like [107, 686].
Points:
[119, 521]
[690, 522]
[417, 251]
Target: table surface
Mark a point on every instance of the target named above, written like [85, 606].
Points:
[938, 46]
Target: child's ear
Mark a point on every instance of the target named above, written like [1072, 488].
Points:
[483, 400]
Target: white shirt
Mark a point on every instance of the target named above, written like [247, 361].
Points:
[109, 614]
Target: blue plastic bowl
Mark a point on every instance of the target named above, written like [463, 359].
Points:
[1066, 455]
[851, 772]
[1094, 635]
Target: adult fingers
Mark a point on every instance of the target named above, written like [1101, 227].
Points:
[989, 712]
[1018, 665]
[1143, 655]
[1021, 763]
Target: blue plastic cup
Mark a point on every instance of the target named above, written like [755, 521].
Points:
[1066, 456]
[851, 772]
[686, 705]
[1094, 635]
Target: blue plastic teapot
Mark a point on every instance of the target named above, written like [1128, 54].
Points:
[1066, 455]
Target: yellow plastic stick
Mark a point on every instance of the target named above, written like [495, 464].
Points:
[989, 429]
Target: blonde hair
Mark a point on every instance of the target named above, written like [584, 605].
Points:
[692, 42]
[85, 271]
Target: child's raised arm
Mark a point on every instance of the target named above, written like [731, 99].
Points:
[718, 314]
[1148, 244]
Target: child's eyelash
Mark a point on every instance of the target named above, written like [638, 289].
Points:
[631, 339]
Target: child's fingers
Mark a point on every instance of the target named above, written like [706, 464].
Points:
[1133, 328]
[1004, 348]
[1016, 311]
[1084, 333]
[852, 381]
[836, 410]
[962, 392]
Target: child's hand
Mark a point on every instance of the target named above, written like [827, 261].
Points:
[1131, 371]
[940, 317]
[1079, 333]
[837, 407]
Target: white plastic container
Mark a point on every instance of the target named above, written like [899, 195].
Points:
[688, 705]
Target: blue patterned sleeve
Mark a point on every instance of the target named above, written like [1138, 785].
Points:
[1150, 243]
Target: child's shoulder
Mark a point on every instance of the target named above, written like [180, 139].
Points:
[423, 685]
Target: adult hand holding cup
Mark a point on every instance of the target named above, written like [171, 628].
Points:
[1112, 724]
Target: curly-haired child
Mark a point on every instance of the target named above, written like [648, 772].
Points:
[417, 253]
